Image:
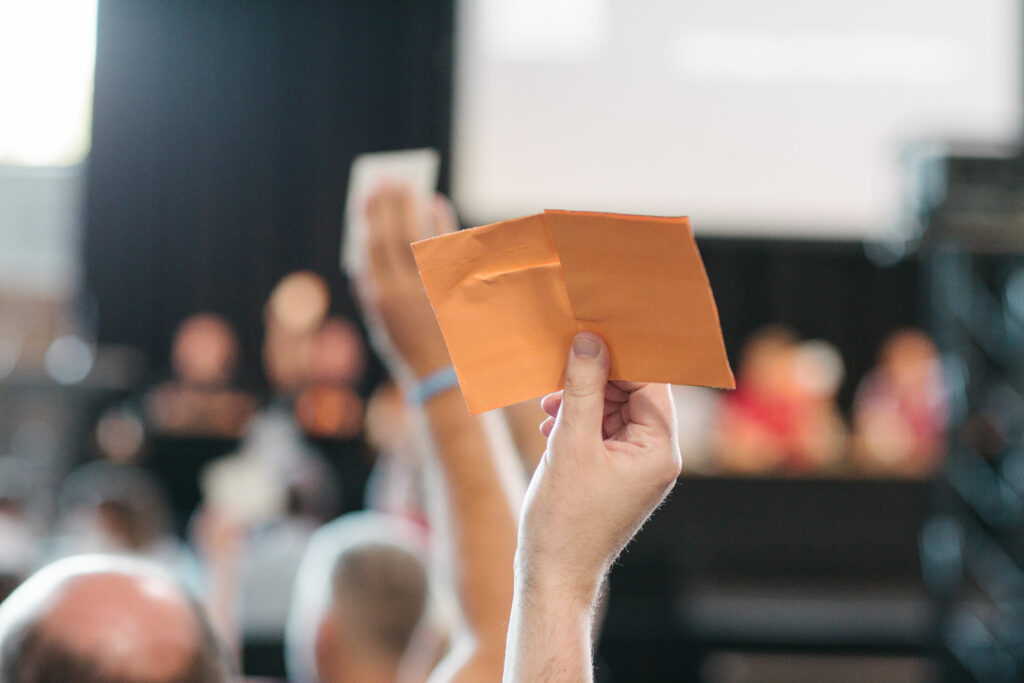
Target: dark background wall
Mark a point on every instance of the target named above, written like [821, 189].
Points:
[222, 137]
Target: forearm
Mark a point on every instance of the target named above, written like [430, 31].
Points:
[550, 633]
[483, 492]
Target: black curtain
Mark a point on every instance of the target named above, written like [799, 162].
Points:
[222, 138]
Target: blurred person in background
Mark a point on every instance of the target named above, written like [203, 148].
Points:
[104, 619]
[199, 400]
[295, 310]
[261, 503]
[294, 316]
[821, 441]
[900, 409]
[327, 406]
[396, 484]
[20, 543]
[474, 506]
[121, 510]
[359, 608]
[251, 532]
[783, 415]
[756, 419]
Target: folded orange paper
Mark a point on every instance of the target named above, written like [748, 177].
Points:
[510, 296]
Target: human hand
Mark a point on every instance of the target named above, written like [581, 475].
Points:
[401, 322]
[612, 457]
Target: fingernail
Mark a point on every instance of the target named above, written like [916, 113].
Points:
[585, 347]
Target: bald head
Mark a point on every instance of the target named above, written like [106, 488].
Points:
[94, 618]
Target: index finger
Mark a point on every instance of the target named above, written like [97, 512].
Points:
[651, 404]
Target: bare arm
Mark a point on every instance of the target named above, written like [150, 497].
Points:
[482, 495]
[612, 457]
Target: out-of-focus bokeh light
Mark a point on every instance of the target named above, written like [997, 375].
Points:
[69, 359]
[47, 60]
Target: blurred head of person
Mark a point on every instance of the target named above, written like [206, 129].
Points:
[120, 435]
[328, 406]
[766, 363]
[910, 361]
[101, 619]
[819, 370]
[900, 409]
[338, 355]
[204, 352]
[360, 595]
[113, 508]
[294, 312]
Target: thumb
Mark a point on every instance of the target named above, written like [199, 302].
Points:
[586, 374]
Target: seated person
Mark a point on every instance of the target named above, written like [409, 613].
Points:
[199, 401]
[123, 510]
[783, 414]
[900, 411]
[360, 595]
[327, 406]
[101, 619]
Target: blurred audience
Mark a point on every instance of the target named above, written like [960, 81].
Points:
[199, 400]
[101, 619]
[900, 410]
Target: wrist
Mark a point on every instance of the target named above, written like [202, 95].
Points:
[428, 363]
[429, 386]
[551, 582]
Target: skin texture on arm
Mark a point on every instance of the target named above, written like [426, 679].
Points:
[481, 499]
[612, 457]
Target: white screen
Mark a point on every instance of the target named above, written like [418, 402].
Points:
[752, 117]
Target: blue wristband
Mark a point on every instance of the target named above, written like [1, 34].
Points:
[433, 384]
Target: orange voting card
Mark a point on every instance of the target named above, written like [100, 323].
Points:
[510, 296]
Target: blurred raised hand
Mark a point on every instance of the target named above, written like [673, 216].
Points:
[401, 322]
[482, 484]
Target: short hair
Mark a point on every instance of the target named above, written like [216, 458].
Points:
[31, 656]
[383, 589]
[357, 536]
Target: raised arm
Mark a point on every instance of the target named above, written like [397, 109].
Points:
[483, 486]
[612, 457]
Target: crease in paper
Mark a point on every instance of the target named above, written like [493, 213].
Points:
[510, 296]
